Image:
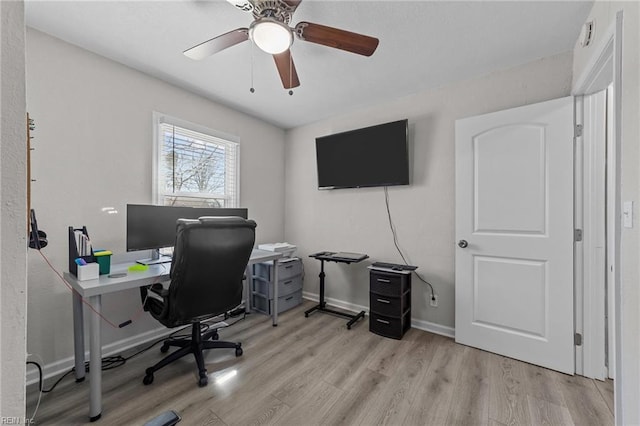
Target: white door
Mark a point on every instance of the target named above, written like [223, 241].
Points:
[514, 233]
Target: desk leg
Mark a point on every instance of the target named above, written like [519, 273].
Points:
[321, 303]
[78, 336]
[95, 362]
[274, 315]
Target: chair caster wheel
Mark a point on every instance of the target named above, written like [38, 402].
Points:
[238, 351]
[148, 379]
[215, 336]
[202, 381]
[164, 348]
[306, 315]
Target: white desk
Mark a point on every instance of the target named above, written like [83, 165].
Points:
[92, 290]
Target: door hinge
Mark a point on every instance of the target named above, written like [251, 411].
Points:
[577, 339]
[578, 130]
[577, 235]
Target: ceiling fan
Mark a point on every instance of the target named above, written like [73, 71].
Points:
[270, 31]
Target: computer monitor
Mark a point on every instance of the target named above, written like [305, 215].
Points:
[151, 227]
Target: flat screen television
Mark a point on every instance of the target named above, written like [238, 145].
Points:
[372, 156]
[151, 227]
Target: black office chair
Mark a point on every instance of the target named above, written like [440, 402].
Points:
[209, 260]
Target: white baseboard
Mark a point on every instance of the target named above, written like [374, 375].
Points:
[431, 327]
[62, 366]
[434, 328]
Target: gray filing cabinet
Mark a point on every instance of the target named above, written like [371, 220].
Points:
[289, 285]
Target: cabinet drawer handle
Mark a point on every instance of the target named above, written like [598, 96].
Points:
[383, 301]
[382, 321]
[289, 298]
[287, 282]
[288, 267]
[382, 280]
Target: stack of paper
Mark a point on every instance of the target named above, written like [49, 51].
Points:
[285, 248]
[82, 243]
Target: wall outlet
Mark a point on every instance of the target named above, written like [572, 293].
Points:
[434, 301]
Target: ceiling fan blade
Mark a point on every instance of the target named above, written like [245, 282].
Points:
[286, 69]
[243, 5]
[217, 44]
[339, 39]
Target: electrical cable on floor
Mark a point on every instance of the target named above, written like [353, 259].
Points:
[395, 242]
[40, 394]
[111, 362]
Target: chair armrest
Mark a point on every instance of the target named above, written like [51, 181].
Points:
[155, 299]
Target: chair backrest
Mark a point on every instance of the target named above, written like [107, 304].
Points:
[209, 260]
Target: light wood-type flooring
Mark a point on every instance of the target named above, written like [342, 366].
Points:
[313, 371]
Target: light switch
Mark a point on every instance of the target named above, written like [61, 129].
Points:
[627, 214]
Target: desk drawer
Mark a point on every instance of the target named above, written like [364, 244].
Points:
[286, 269]
[389, 306]
[286, 302]
[388, 326]
[387, 284]
[285, 286]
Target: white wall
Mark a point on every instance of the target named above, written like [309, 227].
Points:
[13, 245]
[603, 14]
[94, 149]
[423, 213]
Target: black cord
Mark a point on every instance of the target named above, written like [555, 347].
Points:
[111, 362]
[395, 242]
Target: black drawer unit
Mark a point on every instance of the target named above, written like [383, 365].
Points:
[389, 302]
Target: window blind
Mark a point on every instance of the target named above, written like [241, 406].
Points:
[196, 169]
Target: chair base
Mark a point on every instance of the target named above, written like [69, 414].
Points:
[196, 345]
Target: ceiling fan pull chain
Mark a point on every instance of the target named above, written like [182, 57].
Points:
[290, 73]
[252, 90]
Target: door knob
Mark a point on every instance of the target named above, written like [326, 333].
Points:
[463, 244]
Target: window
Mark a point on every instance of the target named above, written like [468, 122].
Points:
[194, 166]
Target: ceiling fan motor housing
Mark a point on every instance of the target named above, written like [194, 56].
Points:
[275, 9]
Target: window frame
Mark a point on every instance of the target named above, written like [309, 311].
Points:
[159, 119]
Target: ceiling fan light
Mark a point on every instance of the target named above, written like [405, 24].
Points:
[271, 36]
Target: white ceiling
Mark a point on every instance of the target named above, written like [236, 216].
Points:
[423, 44]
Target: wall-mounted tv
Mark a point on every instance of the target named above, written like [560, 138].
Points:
[372, 156]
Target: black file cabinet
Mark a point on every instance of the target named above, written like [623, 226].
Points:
[389, 303]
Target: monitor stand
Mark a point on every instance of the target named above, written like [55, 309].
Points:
[155, 258]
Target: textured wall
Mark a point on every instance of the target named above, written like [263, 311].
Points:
[93, 150]
[423, 213]
[13, 246]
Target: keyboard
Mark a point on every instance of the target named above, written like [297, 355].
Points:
[394, 266]
[349, 256]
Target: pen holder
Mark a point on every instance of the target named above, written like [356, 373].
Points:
[103, 258]
[90, 271]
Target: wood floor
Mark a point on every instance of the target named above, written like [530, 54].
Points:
[313, 371]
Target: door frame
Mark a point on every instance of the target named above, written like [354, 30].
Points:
[604, 69]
